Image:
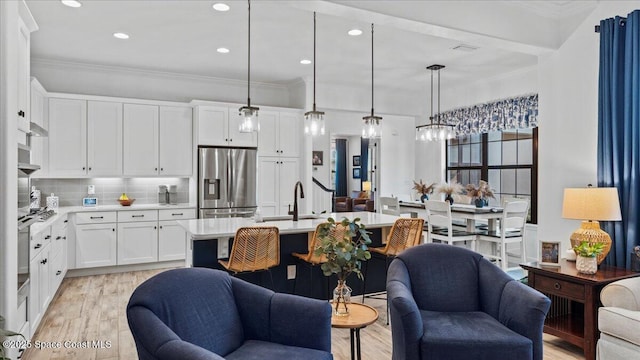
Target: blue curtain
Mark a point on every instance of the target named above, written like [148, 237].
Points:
[341, 167]
[364, 160]
[619, 128]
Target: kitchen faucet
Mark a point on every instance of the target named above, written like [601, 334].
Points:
[295, 200]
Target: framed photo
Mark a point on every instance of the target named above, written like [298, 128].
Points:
[550, 253]
[356, 173]
[356, 160]
[317, 158]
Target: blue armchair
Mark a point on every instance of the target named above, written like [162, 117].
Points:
[448, 302]
[199, 313]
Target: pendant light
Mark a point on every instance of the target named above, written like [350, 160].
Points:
[314, 120]
[249, 113]
[371, 128]
[436, 129]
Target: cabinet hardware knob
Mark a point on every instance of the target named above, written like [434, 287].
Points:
[37, 246]
[156, 169]
[58, 237]
[177, 214]
[58, 272]
[137, 216]
[161, 169]
[89, 168]
[155, 228]
[43, 261]
[96, 217]
[113, 229]
[47, 237]
[66, 221]
[21, 113]
[226, 139]
[160, 227]
[64, 238]
[84, 168]
[230, 139]
[556, 286]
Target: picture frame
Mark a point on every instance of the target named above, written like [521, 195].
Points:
[317, 158]
[356, 173]
[356, 160]
[550, 253]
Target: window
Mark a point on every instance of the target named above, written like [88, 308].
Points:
[506, 159]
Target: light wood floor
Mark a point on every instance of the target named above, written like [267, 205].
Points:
[93, 308]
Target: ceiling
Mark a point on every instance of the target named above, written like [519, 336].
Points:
[182, 37]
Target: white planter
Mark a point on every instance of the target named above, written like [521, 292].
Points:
[587, 265]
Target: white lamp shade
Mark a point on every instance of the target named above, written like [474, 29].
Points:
[366, 186]
[600, 204]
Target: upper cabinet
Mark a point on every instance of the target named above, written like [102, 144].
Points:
[38, 97]
[176, 145]
[26, 25]
[279, 134]
[104, 138]
[67, 137]
[219, 126]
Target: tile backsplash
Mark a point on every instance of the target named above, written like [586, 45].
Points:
[108, 190]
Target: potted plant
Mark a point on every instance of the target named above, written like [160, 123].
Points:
[587, 256]
[480, 193]
[423, 189]
[344, 255]
[449, 189]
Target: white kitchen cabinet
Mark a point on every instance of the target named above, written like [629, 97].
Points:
[37, 96]
[23, 81]
[175, 143]
[104, 138]
[67, 137]
[172, 240]
[96, 245]
[137, 242]
[278, 176]
[59, 249]
[219, 126]
[39, 288]
[140, 139]
[279, 134]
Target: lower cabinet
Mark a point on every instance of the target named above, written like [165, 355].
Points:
[96, 245]
[39, 292]
[172, 241]
[137, 242]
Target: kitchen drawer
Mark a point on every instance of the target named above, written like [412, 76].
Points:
[559, 287]
[135, 216]
[39, 241]
[96, 217]
[176, 214]
[57, 243]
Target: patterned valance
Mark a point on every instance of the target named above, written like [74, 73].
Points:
[512, 113]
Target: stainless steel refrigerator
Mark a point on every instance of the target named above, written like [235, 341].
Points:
[227, 182]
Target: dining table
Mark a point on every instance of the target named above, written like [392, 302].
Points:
[472, 213]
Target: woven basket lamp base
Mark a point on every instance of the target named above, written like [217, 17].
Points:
[590, 232]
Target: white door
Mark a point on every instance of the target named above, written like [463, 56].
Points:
[140, 150]
[35, 312]
[96, 245]
[268, 168]
[213, 123]
[268, 135]
[104, 138]
[24, 111]
[289, 134]
[175, 144]
[137, 242]
[67, 137]
[289, 174]
[37, 103]
[172, 240]
[44, 265]
[236, 138]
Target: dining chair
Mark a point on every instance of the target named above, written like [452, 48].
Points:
[405, 233]
[254, 249]
[311, 259]
[440, 225]
[512, 230]
[389, 206]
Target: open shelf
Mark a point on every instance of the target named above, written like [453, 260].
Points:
[569, 327]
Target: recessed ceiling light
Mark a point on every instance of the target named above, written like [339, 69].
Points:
[71, 3]
[355, 32]
[222, 50]
[221, 7]
[305, 61]
[120, 35]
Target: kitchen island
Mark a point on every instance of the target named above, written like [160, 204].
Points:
[211, 239]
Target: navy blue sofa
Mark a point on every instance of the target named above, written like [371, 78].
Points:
[199, 313]
[448, 302]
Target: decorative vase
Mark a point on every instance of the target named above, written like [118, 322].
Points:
[587, 265]
[480, 202]
[424, 197]
[341, 298]
[449, 198]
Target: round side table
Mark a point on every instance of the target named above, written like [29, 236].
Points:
[360, 315]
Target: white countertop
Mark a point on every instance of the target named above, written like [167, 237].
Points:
[63, 210]
[203, 229]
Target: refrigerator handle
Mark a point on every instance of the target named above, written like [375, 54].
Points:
[229, 177]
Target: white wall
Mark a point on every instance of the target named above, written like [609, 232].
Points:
[568, 131]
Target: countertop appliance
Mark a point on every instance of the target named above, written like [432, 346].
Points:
[227, 182]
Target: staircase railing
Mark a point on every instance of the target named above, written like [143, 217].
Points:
[326, 189]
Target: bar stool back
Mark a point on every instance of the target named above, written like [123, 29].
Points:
[254, 249]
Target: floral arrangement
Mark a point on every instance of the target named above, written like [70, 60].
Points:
[482, 191]
[422, 188]
[344, 255]
[450, 188]
[585, 249]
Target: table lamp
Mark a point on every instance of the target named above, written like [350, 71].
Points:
[591, 205]
[366, 186]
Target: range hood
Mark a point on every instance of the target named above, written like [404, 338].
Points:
[37, 130]
[25, 168]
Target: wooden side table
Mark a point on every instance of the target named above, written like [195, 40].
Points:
[360, 315]
[575, 299]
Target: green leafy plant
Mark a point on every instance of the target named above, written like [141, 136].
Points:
[344, 254]
[6, 334]
[585, 249]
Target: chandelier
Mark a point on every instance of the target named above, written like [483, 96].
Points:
[314, 120]
[437, 129]
[371, 128]
[249, 113]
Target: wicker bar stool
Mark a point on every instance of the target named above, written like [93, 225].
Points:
[254, 249]
[312, 260]
[404, 234]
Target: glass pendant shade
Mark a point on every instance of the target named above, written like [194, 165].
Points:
[437, 129]
[314, 123]
[371, 128]
[249, 122]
